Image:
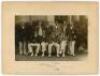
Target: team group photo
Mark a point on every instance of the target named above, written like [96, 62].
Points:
[51, 37]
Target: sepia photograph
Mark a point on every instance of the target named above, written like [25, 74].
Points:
[51, 37]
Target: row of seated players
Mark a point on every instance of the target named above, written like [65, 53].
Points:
[45, 46]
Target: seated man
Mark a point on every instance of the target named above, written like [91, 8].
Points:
[50, 48]
[37, 45]
[44, 47]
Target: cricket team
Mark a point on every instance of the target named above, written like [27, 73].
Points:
[40, 37]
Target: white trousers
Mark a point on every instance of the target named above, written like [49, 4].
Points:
[44, 48]
[72, 48]
[37, 45]
[22, 48]
[63, 48]
[50, 48]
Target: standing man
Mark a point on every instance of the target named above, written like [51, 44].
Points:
[39, 32]
[72, 41]
[63, 45]
[70, 33]
[22, 38]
